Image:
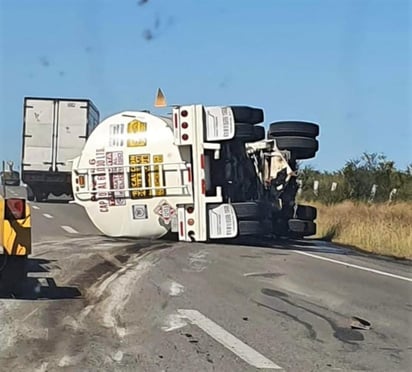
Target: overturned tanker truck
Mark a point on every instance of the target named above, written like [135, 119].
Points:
[201, 173]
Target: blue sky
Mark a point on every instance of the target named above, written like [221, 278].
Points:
[343, 64]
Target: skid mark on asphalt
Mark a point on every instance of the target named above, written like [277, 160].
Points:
[171, 287]
[236, 346]
[173, 322]
[384, 273]
[198, 261]
[42, 368]
[117, 286]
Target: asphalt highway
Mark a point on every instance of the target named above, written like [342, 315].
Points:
[90, 303]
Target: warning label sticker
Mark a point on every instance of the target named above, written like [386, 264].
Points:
[116, 135]
[139, 211]
[165, 211]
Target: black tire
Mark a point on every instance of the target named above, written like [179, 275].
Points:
[250, 228]
[306, 212]
[41, 196]
[300, 147]
[294, 128]
[302, 228]
[248, 210]
[246, 114]
[249, 133]
[244, 132]
[259, 133]
[303, 212]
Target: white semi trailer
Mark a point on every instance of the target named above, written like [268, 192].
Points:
[202, 173]
[54, 132]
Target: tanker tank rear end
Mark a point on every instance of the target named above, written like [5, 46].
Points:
[129, 151]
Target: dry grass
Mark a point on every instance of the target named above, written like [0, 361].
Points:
[379, 228]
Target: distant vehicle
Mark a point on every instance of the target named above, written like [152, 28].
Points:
[202, 173]
[54, 132]
[10, 178]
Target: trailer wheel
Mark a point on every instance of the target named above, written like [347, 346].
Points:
[250, 228]
[300, 147]
[301, 228]
[248, 210]
[244, 132]
[306, 212]
[303, 212]
[246, 114]
[41, 196]
[293, 128]
[259, 133]
[30, 194]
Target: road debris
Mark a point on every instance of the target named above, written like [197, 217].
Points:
[359, 323]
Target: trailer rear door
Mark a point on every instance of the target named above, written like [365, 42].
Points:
[72, 120]
[38, 134]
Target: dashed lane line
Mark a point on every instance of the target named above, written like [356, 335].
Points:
[47, 215]
[69, 229]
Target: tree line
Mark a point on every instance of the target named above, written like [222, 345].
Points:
[370, 178]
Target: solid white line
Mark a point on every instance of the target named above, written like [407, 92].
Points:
[384, 273]
[47, 215]
[236, 346]
[35, 207]
[69, 229]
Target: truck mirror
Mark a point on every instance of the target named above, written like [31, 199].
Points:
[15, 209]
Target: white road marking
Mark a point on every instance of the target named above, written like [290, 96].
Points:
[47, 215]
[384, 273]
[35, 207]
[69, 229]
[249, 355]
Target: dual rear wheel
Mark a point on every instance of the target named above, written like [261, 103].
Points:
[253, 217]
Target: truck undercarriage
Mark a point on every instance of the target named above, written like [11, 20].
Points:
[259, 177]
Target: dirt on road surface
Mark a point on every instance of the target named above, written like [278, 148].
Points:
[96, 304]
[68, 312]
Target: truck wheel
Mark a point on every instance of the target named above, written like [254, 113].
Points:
[293, 128]
[250, 228]
[30, 194]
[302, 228]
[248, 210]
[41, 196]
[246, 114]
[259, 133]
[244, 132]
[300, 147]
[306, 212]
[303, 212]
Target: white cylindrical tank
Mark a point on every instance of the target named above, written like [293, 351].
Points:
[145, 143]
